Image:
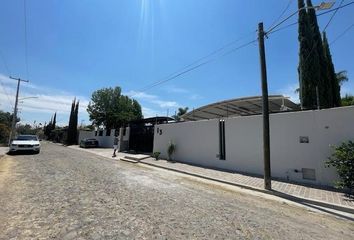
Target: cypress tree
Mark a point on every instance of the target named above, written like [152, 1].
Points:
[70, 135]
[317, 58]
[54, 121]
[307, 88]
[76, 113]
[331, 74]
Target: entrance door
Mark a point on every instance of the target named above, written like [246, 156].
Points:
[141, 138]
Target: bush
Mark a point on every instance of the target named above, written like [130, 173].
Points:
[4, 133]
[170, 150]
[156, 155]
[343, 160]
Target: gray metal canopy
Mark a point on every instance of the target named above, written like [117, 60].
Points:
[240, 107]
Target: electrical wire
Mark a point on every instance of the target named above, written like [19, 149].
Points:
[26, 38]
[5, 64]
[282, 13]
[330, 20]
[192, 68]
[189, 67]
[8, 72]
[335, 11]
[199, 60]
[342, 34]
[273, 30]
[7, 95]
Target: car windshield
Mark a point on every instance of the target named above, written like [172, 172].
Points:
[26, 138]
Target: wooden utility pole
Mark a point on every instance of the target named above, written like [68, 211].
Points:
[14, 116]
[265, 110]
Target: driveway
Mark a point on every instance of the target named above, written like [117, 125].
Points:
[62, 193]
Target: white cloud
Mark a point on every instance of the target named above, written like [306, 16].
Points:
[174, 89]
[185, 92]
[289, 91]
[195, 97]
[152, 99]
[43, 101]
[148, 112]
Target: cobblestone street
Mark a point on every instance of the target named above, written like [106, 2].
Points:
[63, 193]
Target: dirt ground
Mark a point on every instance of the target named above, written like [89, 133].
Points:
[62, 193]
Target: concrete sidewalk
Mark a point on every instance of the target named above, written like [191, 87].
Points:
[307, 195]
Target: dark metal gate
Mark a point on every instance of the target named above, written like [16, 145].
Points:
[141, 138]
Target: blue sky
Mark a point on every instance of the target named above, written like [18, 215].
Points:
[76, 47]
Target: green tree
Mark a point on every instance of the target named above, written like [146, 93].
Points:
[348, 100]
[6, 118]
[305, 69]
[54, 121]
[4, 133]
[72, 128]
[109, 108]
[342, 77]
[25, 129]
[181, 112]
[343, 160]
[50, 127]
[320, 77]
[331, 74]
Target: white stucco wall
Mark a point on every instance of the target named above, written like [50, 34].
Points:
[103, 141]
[198, 142]
[195, 141]
[86, 134]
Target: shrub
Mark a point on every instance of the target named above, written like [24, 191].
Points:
[156, 155]
[4, 133]
[343, 160]
[170, 150]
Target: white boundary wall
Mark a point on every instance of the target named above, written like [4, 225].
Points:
[104, 140]
[198, 142]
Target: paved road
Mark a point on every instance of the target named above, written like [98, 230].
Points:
[68, 194]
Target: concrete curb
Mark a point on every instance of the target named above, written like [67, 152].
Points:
[305, 201]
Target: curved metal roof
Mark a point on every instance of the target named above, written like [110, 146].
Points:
[240, 107]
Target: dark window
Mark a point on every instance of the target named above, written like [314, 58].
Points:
[95, 133]
[100, 133]
[108, 132]
[222, 153]
[124, 131]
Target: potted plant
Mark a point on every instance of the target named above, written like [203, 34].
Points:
[156, 155]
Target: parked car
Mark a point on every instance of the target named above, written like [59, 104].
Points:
[25, 143]
[88, 142]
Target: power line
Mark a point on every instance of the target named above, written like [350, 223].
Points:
[26, 40]
[335, 11]
[193, 68]
[189, 67]
[5, 64]
[183, 69]
[7, 95]
[342, 34]
[273, 30]
[282, 14]
[2, 84]
[330, 20]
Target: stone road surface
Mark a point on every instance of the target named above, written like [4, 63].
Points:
[67, 194]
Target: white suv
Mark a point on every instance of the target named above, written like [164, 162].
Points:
[25, 143]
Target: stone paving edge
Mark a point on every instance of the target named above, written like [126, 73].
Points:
[300, 200]
[272, 192]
